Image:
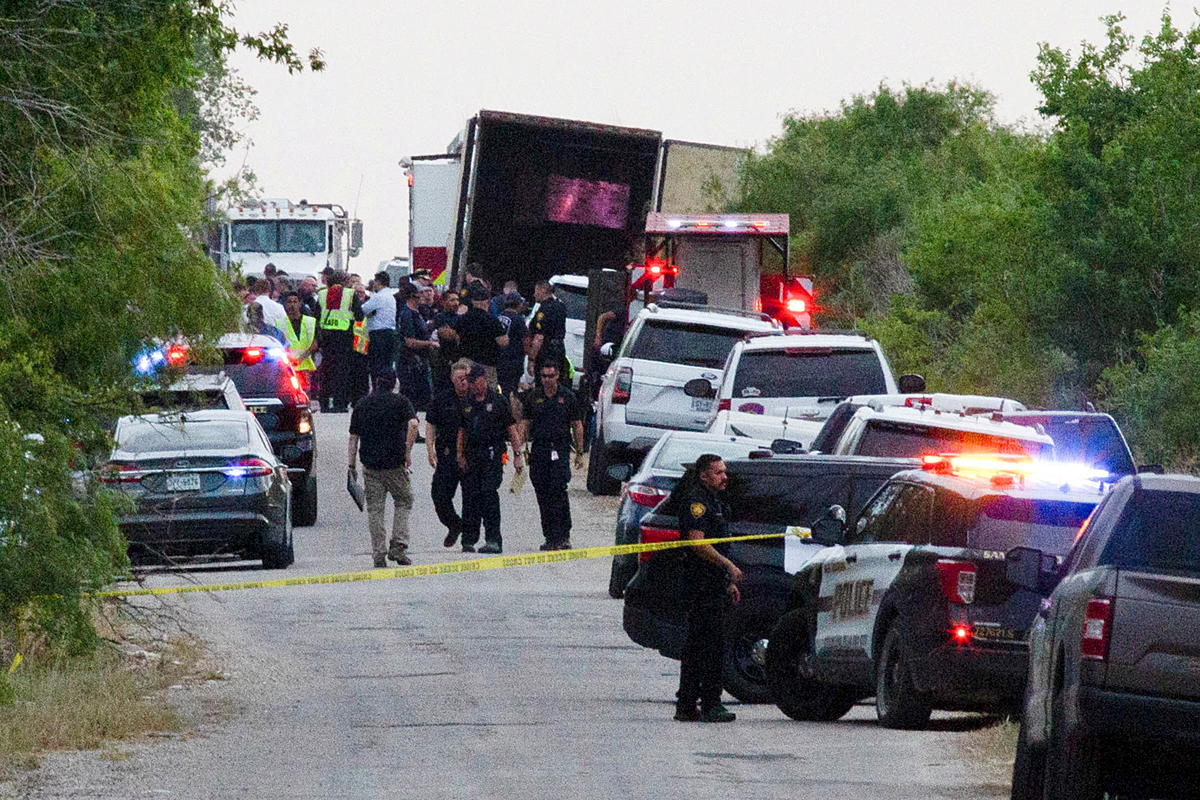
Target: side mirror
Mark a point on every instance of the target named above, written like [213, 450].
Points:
[787, 447]
[606, 349]
[619, 472]
[700, 387]
[1031, 569]
[356, 238]
[911, 384]
[830, 527]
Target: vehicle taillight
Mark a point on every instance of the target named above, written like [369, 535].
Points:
[650, 534]
[797, 305]
[646, 495]
[622, 386]
[960, 633]
[725, 405]
[248, 467]
[1097, 629]
[305, 426]
[958, 580]
[116, 472]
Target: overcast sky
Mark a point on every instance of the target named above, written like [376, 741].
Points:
[403, 77]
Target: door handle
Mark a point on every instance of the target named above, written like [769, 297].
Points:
[895, 556]
[851, 559]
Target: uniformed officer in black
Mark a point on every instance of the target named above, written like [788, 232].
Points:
[714, 587]
[548, 328]
[554, 419]
[442, 423]
[487, 421]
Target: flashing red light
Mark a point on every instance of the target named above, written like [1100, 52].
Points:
[703, 223]
[797, 305]
[410, 179]
[176, 354]
[1097, 629]
[917, 402]
[656, 269]
[296, 384]
[759, 225]
[656, 535]
[960, 633]
[252, 355]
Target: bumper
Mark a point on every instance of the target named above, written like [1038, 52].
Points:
[658, 630]
[971, 677]
[619, 433]
[198, 533]
[1133, 716]
[294, 449]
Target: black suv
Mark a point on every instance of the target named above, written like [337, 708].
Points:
[766, 494]
[913, 606]
[271, 390]
[1113, 702]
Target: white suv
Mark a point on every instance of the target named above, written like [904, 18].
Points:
[784, 387]
[642, 394]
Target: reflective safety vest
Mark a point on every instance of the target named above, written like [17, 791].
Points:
[299, 342]
[336, 308]
[361, 336]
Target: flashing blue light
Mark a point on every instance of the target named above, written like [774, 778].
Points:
[142, 365]
[275, 353]
[237, 472]
[157, 357]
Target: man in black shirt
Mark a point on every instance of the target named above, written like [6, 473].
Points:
[383, 429]
[713, 585]
[555, 420]
[548, 328]
[486, 422]
[415, 345]
[446, 353]
[480, 336]
[510, 362]
[442, 422]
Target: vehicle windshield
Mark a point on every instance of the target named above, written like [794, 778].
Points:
[676, 453]
[575, 299]
[1091, 442]
[278, 236]
[693, 345]
[142, 436]
[1005, 522]
[264, 379]
[809, 372]
[184, 398]
[905, 440]
[1158, 530]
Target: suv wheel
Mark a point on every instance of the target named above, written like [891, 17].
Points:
[897, 701]
[1072, 761]
[1028, 768]
[747, 631]
[789, 675]
[598, 481]
[304, 504]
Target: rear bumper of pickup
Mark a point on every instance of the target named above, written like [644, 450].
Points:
[1134, 716]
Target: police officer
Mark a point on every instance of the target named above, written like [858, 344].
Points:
[486, 421]
[442, 422]
[554, 420]
[335, 337]
[548, 328]
[713, 585]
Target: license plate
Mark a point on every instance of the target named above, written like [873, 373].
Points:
[701, 404]
[257, 409]
[184, 482]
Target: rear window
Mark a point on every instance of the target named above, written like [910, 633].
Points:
[809, 372]
[785, 499]
[574, 299]
[264, 379]
[693, 345]
[1051, 526]
[140, 436]
[185, 399]
[676, 453]
[902, 440]
[1158, 530]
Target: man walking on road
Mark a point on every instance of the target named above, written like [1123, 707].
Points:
[713, 585]
[442, 422]
[486, 422]
[555, 420]
[383, 429]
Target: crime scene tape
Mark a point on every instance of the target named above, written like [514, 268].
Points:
[448, 567]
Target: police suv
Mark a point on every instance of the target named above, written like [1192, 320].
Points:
[911, 605]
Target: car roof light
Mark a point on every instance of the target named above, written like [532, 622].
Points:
[275, 353]
[252, 355]
[797, 305]
[1001, 469]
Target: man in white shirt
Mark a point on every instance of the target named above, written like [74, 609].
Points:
[379, 311]
[273, 313]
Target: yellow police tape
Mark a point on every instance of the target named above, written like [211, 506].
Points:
[448, 567]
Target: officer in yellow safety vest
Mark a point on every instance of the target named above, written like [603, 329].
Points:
[339, 310]
[300, 331]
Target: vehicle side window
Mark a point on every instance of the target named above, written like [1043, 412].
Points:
[873, 516]
[850, 437]
[908, 517]
[635, 330]
[951, 520]
[1086, 551]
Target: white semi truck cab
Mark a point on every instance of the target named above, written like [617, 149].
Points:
[298, 238]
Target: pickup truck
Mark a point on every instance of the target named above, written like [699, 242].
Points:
[1113, 698]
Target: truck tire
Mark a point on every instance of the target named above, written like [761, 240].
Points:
[304, 504]
[793, 689]
[1029, 769]
[598, 481]
[623, 569]
[897, 701]
[1072, 761]
[747, 627]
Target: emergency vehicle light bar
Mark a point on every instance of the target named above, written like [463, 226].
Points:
[997, 465]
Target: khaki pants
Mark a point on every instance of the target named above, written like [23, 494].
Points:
[377, 485]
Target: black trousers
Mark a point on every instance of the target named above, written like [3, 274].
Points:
[379, 351]
[702, 667]
[481, 495]
[442, 488]
[413, 378]
[336, 349]
[550, 479]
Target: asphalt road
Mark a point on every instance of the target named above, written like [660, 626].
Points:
[509, 683]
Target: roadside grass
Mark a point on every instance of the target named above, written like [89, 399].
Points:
[117, 693]
[990, 751]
